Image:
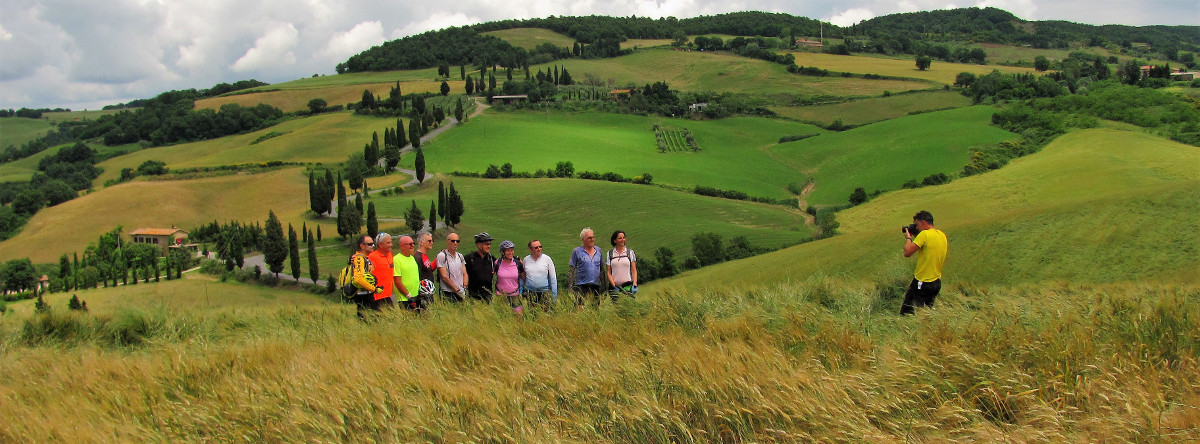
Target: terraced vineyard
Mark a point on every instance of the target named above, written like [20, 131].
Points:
[675, 140]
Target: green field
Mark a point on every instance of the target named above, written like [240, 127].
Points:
[721, 71]
[1086, 209]
[731, 156]
[183, 203]
[874, 109]
[17, 131]
[555, 210]
[80, 115]
[325, 138]
[940, 72]
[530, 38]
[884, 155]
[21, 170]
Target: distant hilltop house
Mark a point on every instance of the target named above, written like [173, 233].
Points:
[164, 238]
[810, 43]
[619, 94]
[511, 99]
[1176, 75]
[698, 107]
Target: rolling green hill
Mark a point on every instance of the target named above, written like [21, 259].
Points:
[326, 138]
[555, 210]
[731, 156]
[16, 131]
[874, 109]
[1087, 208]
[882, 156]
[721, 71]
[530, 38]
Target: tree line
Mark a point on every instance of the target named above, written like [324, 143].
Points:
[59, 178]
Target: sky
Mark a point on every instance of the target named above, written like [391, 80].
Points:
[83, 54]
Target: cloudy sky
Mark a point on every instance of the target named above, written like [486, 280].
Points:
[88, 53]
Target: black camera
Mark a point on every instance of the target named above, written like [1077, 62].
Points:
[910, 229]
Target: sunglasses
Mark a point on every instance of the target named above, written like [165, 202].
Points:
[453, 241]
[539, 247]
[369, 244]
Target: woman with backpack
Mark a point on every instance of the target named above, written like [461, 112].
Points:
[622, 267]
[510, 273]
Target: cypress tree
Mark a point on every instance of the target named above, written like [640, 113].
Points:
[314, 198]
[313, 268]
[294, 252]
[154, 263]
[372, 222]
[432, 217]
[414, 132]
[318, 232]
[275, 249]
[401, 139]
[358, 204]
[455, 211]
[413, 218]
[329, 192]
[419, 164]
[441, 202]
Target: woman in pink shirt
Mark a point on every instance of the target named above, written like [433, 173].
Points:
[509, 275]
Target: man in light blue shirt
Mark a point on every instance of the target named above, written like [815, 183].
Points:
[587, 265]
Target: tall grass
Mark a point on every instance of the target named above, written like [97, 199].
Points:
[819, 360]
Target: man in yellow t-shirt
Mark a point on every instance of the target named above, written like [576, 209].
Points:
[927, 279]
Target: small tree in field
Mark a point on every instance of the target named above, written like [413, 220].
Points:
[923, 62]
[293, 252]
[317, 105]
[858, 196]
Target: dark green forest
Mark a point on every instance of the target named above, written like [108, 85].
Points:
[924, 33]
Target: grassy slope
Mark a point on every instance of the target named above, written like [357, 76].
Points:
[1087, 208]
[875, 109]
[720, 71]
[940, 72]
[884, 155]
[814, 362]
[530, 38]
[183, 203]
[336, 89]
[16, 131]
[731, 155]
[22, 169]
[555, 210]
[324, 138]
[195, 293]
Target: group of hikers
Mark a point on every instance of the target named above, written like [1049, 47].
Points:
[413, 279]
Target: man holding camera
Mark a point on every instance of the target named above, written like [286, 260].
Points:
[931, 242]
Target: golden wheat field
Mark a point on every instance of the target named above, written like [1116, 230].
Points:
[817, 360]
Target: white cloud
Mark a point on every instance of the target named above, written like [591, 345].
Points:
[345, 44]
[1025, 9]
[63, 52]
[271, 51]
[850, 16]
[437, 20]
